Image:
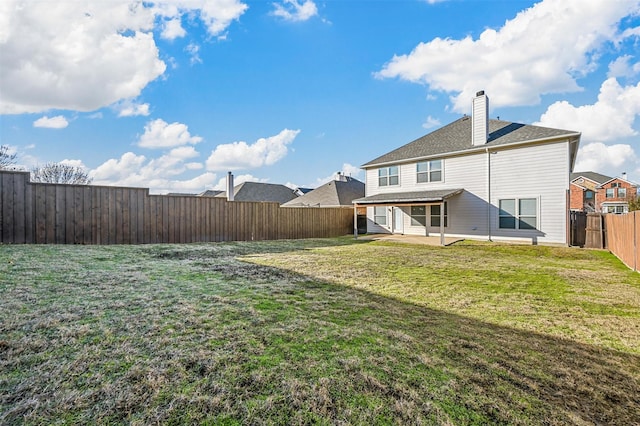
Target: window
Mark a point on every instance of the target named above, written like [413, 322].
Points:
[388, 176]
[588, 195]
[418, 216]
[518, 213]
[610, 193]
[615, 185]
[507, 214]
[614, 209]
[622, 192]
[380, 215]
[435, 215]
[429, 171]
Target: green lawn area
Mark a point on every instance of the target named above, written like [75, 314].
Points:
[331, 331]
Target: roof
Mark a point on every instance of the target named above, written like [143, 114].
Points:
[593, 176]
[456, 138]
[433, 196]
[259, 191]
[210, 193]
[332, 194]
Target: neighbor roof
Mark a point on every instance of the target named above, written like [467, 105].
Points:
[332, 194]
[258, 191]
[433, 196]
[456, 137]
[596, 177]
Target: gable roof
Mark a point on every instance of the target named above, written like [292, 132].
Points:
[592, 176]
[332, 194]
[456, 138]
[259, 191]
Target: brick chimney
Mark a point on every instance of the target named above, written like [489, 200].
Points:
[480, 119]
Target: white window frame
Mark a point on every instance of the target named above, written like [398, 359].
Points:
[434, 219]
[622, 192]
[429, 171]
[611, 191]
[377, 216]
[517, 216]
[385, 175]
[419, 219]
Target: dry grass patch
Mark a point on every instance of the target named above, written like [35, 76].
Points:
[315, 332]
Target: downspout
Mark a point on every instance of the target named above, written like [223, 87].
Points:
[488, 193]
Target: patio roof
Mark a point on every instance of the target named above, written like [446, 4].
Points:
[406, 198]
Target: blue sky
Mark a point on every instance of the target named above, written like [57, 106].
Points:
[171, 95]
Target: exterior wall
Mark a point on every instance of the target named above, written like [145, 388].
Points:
[540, 172]
[537, 171]
[576, 198]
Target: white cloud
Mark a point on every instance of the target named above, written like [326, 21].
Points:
[172, 29]
[160, 134]
[128, 108]
[611, 160]
[217, 15]
[431, 122]
[193, 50]
[347, 170]
[294, 10]
[622, 67]
[542, 50]
[86, 55]
[237, 180]
[160, 175]
[610, 118]
[74, 163]
[240, 155]
[57, 122]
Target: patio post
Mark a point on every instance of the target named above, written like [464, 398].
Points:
[442, 223]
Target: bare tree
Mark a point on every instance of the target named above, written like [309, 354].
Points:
[60, 173]
[7, 160]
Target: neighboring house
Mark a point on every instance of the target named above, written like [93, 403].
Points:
[595, 192]
[583, 188]
[258, 191]
[613, 196]
[337, 193]
[475, 178]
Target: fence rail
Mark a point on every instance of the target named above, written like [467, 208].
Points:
[43, 213]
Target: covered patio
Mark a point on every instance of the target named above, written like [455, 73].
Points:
[408, 199]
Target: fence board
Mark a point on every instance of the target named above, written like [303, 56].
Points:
[621, 237]
[78, 214]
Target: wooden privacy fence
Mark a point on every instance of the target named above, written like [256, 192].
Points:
[623, 237]
[43, 213]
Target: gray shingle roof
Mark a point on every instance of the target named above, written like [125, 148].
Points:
[435, 195]
[258, 191]
[456, 137]
[331, 194]
[596, 177]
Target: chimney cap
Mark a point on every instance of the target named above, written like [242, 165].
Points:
[480, 93]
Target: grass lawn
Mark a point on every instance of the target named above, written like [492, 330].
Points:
[331, 331]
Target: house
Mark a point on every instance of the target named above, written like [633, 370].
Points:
[613, 196]
[583, 188]
[337, 193]
[595, 192]
[475, 178]
[259, 191]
